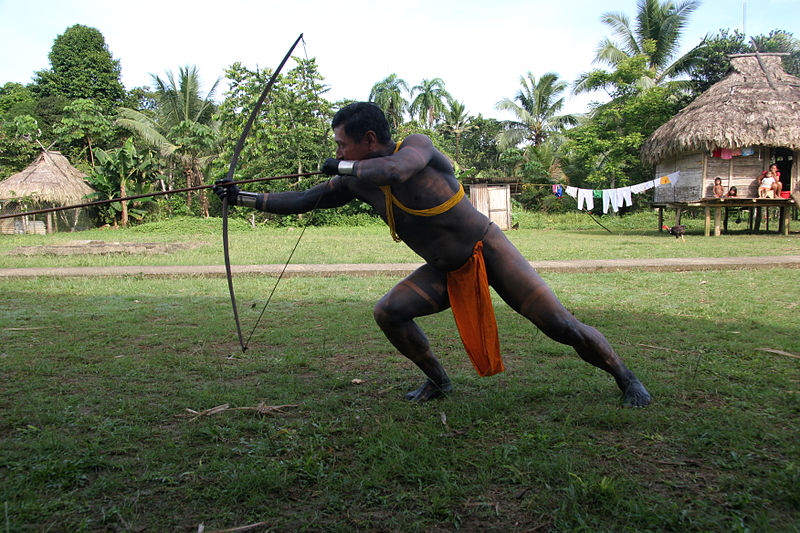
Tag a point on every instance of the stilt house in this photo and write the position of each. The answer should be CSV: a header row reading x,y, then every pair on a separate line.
x,y
733,131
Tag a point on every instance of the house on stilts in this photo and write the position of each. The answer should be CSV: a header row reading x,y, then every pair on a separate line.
x,y
734,131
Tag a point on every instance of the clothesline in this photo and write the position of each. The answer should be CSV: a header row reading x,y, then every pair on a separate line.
x,y
612,198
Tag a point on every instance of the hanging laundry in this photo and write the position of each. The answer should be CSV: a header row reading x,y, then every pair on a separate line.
x,y
610,200
624,197
572,191
716,153
746,152
597,194
726,153
558,190
585,196
736,152
672,178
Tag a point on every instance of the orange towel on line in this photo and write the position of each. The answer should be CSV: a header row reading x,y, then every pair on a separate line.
x,y
468,288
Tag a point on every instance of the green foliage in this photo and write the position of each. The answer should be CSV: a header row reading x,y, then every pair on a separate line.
x,y
656,34
179,100
604,151
782,41
388,95
141,99
429,100
85,125
456,123
292,130
536,106
181,128
711,61
82,67
479,149
193,139
122,172
17,144
15,99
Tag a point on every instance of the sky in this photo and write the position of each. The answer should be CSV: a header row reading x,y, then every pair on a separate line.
x,y
480,48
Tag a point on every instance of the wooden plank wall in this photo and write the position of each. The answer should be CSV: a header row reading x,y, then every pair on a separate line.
x,y
689,185
494,201
696,182
741,172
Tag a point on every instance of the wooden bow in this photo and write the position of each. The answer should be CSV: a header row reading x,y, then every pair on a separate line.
x,y
231,169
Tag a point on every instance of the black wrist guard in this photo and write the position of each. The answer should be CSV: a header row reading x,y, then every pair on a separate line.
x,y
252,200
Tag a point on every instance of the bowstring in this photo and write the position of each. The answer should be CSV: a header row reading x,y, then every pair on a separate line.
x,y
294,248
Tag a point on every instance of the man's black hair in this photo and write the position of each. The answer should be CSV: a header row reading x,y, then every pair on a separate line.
x,y
360,117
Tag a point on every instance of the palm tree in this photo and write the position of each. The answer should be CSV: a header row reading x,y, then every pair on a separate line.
x,y
457,121
536,106
182,130
388,95
656,35
430,100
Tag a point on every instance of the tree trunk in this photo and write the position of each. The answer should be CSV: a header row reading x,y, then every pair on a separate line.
x,y
189,193
123,193
91,153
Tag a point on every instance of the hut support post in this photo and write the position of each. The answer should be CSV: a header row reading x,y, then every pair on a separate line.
x,y
660,219
49,223
717,216
784,225
707,230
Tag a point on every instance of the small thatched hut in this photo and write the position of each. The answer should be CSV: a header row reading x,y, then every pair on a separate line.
x,y
733,131
49,181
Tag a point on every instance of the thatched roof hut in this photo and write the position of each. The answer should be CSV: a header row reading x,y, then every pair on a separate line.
x,y
49,180
733,131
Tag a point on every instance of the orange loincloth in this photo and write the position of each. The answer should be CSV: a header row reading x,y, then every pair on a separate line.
x,y
468,288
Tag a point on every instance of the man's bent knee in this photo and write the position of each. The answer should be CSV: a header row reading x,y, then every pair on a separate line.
x,y
564,328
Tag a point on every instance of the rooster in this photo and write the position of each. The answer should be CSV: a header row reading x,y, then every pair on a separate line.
x,y
677,230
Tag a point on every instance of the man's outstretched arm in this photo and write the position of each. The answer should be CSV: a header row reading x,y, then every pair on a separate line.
x,y
325,195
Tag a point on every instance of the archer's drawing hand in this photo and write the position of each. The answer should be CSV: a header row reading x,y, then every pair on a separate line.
x,y
330,166
225,187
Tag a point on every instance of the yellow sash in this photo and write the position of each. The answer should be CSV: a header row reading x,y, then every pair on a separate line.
x,y
430,212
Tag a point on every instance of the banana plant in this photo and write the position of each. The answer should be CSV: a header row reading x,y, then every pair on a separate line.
x,y
122,170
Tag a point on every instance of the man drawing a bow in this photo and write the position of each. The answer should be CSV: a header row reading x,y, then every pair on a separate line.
x,y
413,188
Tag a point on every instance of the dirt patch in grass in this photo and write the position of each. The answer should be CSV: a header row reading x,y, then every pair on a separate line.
x,y
105,248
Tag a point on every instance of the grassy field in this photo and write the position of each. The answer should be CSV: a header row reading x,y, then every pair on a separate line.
x,y
540,237
107,386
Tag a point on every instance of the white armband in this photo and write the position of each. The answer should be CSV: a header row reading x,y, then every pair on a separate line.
x,y
347,168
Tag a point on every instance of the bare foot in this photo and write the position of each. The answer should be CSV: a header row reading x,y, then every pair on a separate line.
x,y
635,395
429,391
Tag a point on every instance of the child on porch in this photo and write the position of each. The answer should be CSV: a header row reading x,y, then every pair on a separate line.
x,y
765,187
718,190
